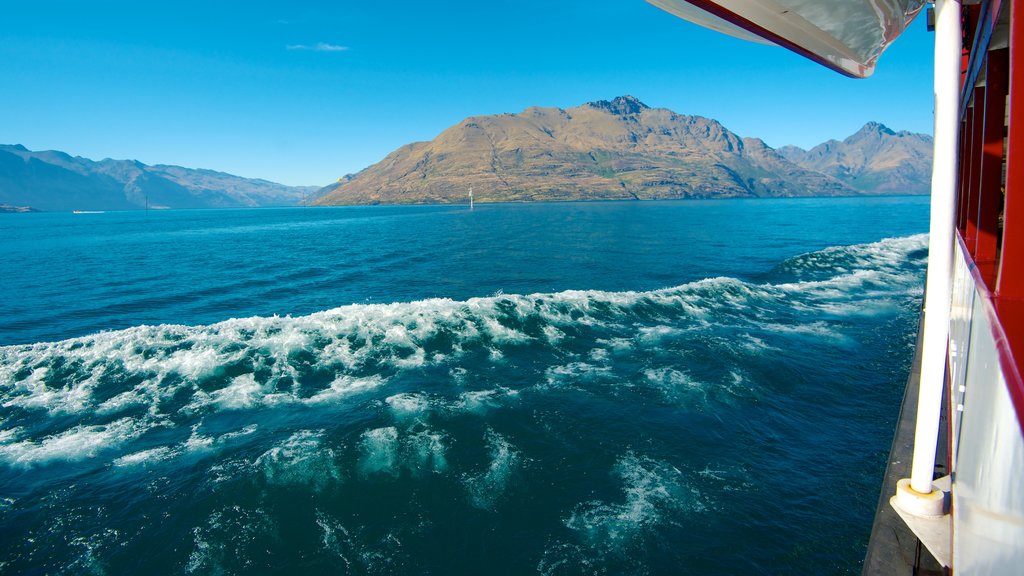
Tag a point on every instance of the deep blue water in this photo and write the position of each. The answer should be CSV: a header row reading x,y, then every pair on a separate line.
x,y
703,387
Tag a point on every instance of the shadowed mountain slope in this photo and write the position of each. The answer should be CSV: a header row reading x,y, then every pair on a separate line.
x,y
875,160
52,180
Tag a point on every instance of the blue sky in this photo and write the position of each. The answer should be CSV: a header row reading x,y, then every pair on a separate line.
x,y
304,92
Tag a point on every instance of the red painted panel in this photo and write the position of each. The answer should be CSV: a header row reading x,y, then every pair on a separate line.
x,y
1010,284
991,200
1008,304
963,174
965,66
974,170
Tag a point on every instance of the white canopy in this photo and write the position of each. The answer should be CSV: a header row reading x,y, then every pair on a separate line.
x,y
845,35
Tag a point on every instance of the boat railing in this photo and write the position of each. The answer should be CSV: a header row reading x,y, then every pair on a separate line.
x,y
986,444
990,191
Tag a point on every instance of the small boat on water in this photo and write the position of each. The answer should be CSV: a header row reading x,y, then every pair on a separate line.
x,y
957,504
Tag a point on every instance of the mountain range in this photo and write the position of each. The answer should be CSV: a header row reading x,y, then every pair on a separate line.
x,y
620,149
52,180
624,149
875,160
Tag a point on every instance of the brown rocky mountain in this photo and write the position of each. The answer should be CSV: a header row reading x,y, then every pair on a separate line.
x,y
875,160
620,149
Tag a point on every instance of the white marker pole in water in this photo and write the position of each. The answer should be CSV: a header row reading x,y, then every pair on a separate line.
x,y
916,495
470,197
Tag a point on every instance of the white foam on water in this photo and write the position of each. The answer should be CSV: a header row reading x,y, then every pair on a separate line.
x,y
727,478
655,494
75,444
707,472
574,373
857,288
205,557
617,345
224,539
230,470
191,364
880,305
150,456
488,487
672,377
567,558
336,538
88,551
818,330
426,452
182,368
244,431
410,405
753,345
301,460
676,384
345,386
655,335
553,335
243,392
379,451
138,396
419,450
889,253
479,402
35,393
198,443
502,334
9,434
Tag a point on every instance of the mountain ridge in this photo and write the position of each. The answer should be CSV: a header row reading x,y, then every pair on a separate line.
x,y
875,158
52,180
619,149
602,150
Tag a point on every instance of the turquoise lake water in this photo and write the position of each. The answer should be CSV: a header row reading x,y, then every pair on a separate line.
x,y
693,387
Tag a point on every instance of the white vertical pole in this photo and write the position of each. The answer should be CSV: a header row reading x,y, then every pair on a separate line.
x,y
940,243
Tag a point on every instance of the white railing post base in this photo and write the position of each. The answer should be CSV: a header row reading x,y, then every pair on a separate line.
x,y
927,516
931,505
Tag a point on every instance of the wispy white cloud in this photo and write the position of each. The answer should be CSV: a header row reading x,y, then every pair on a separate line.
x,y
318,47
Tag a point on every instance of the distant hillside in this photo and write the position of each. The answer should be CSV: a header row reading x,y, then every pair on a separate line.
x,y
53,180
875,160
619,149
8,209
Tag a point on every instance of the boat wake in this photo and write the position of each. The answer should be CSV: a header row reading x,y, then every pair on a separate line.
x,y
430,410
